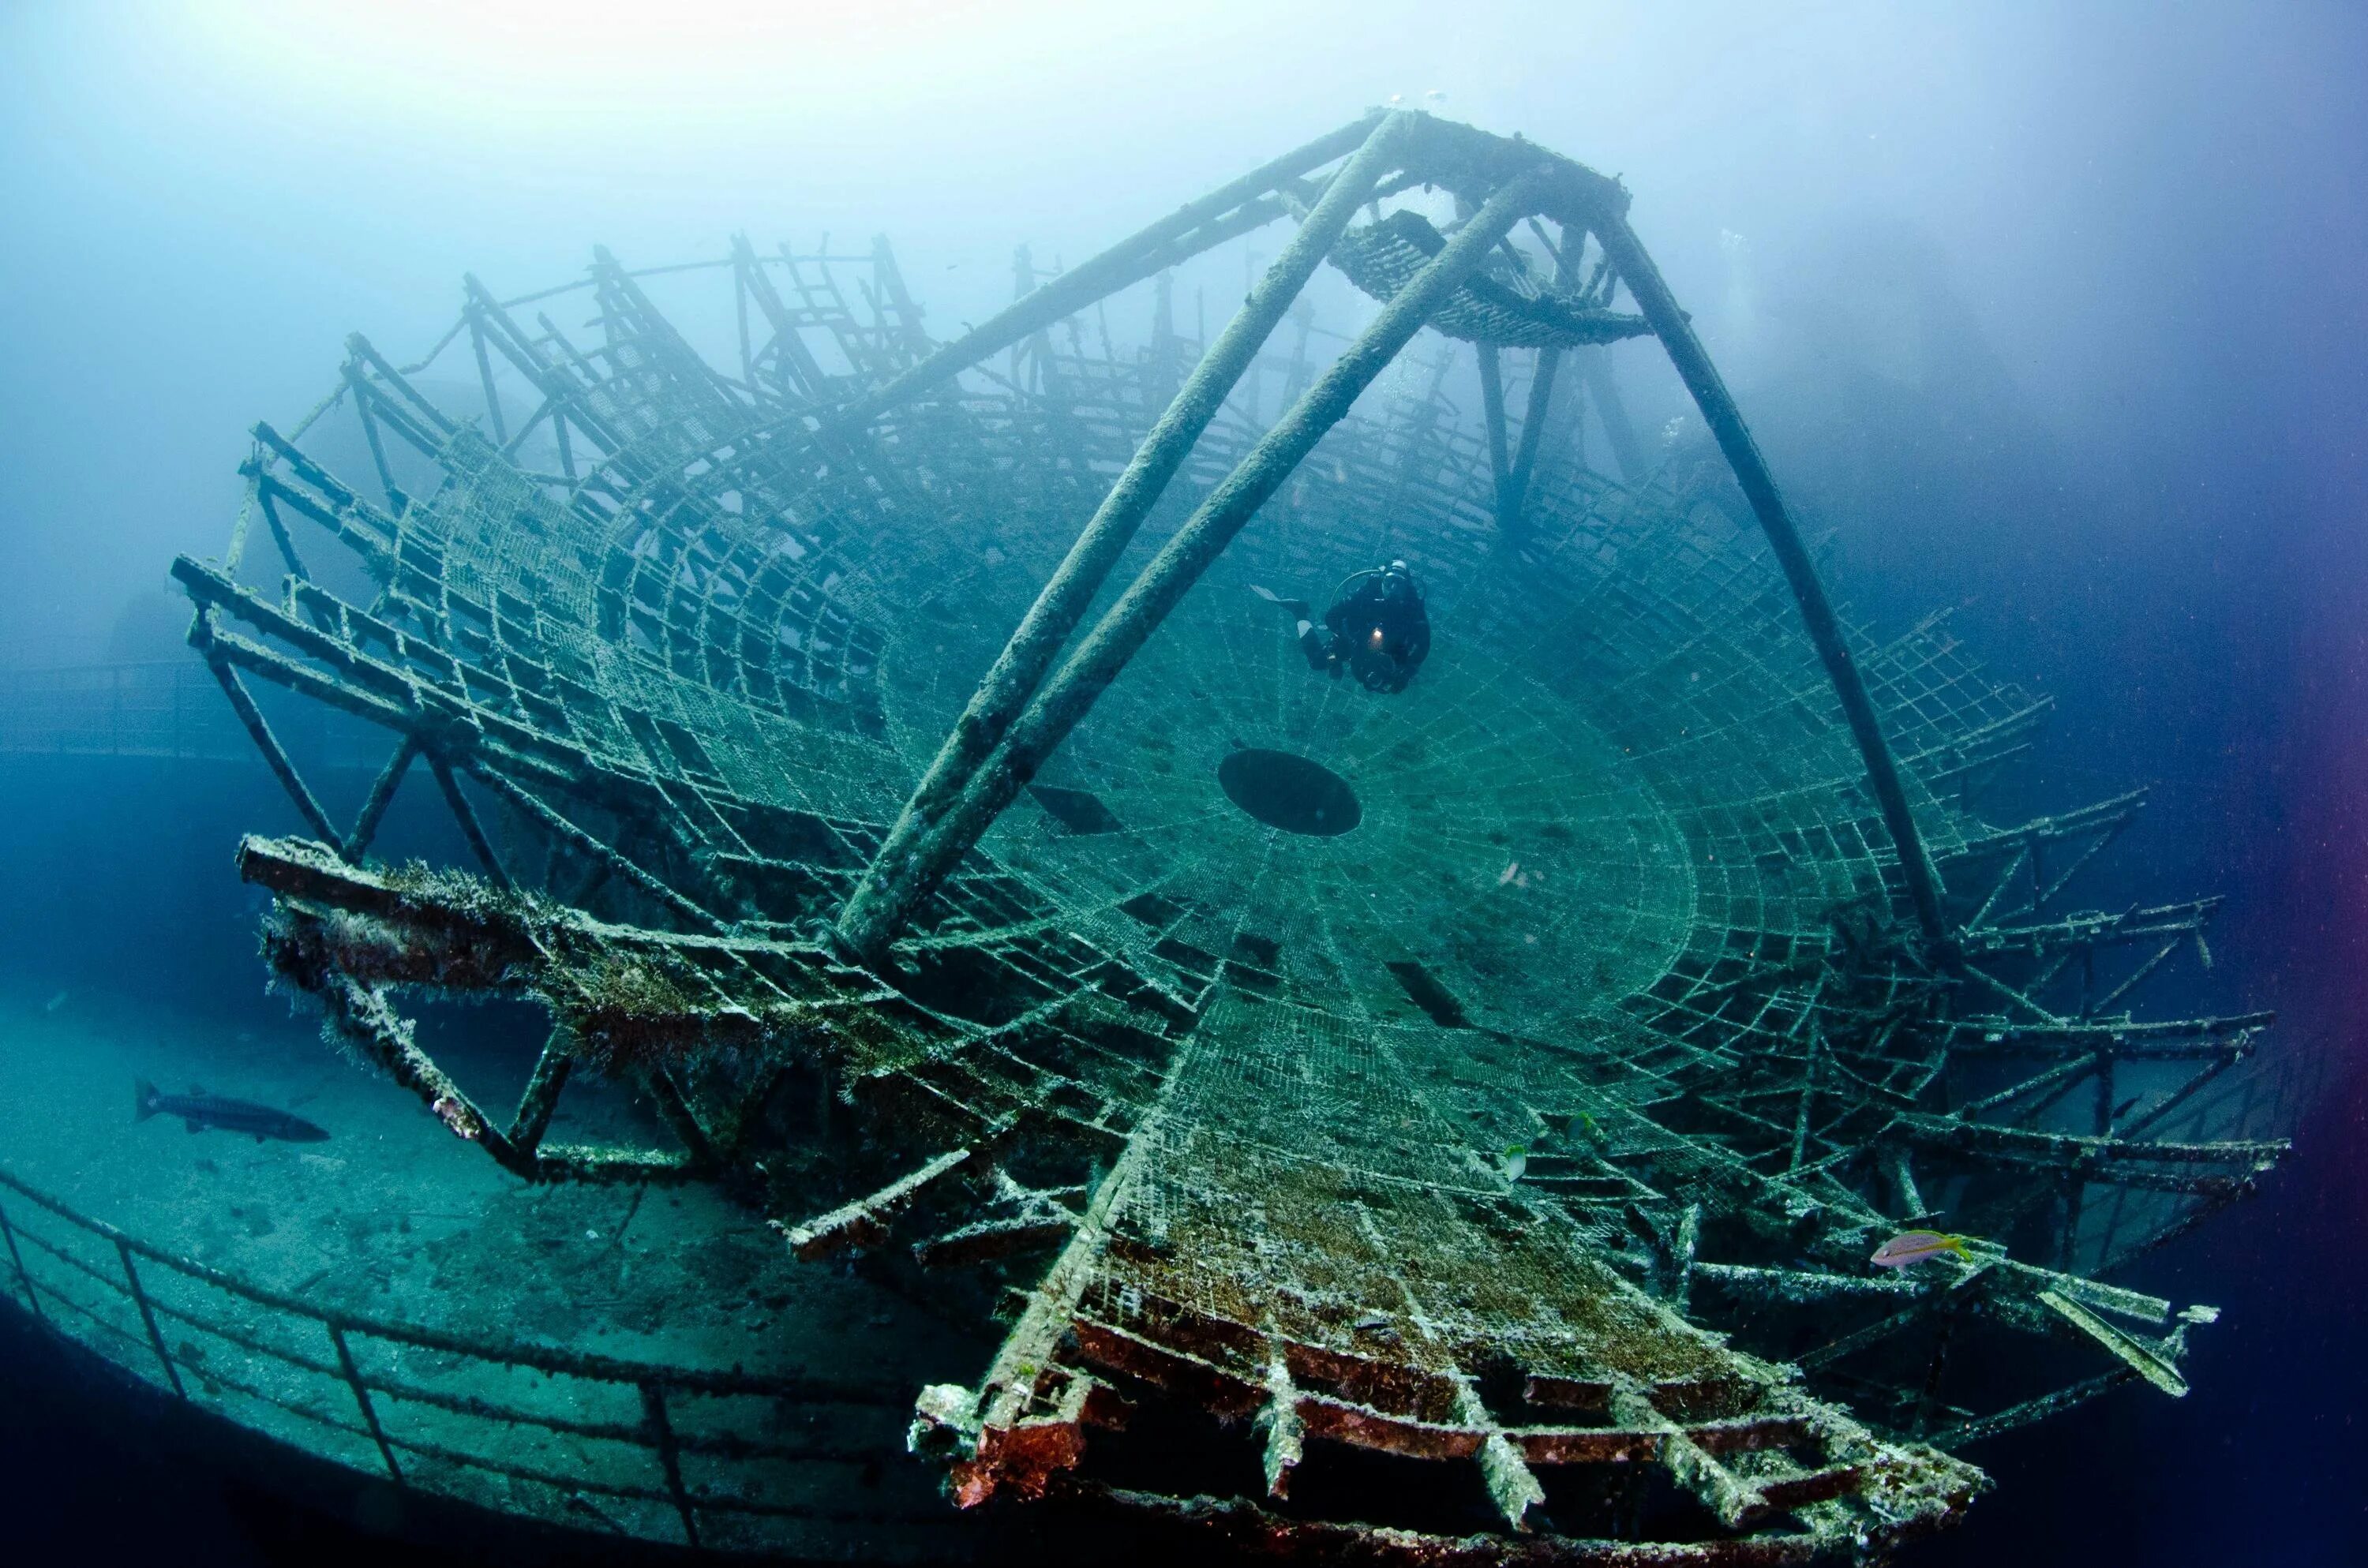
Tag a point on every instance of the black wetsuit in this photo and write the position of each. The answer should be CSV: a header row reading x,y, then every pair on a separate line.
x,y
1377,629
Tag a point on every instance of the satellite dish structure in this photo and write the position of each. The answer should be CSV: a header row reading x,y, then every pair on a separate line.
x,y
1362,1122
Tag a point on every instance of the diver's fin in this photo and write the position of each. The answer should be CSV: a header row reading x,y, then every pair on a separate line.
x,y
143,1099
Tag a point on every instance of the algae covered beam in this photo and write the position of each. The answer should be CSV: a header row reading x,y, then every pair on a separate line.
x,y
1129,261
896,887
887,894
864,1222
1676,331
917,859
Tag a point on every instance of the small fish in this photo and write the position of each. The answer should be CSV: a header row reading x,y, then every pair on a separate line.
x,y
56,1002
200,1110
1914,1246
1517,1161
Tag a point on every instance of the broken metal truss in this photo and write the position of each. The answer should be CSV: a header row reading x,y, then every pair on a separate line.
x,y
1529,1139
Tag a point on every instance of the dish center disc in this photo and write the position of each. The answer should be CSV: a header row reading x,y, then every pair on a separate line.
x,y
1289,793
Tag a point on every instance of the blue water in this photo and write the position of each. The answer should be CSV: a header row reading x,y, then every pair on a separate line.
x,y
2135,243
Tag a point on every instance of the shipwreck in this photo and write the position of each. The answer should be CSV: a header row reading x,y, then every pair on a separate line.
x,y
869,750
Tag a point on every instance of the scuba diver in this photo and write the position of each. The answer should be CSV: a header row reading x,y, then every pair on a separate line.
x,y
1375,628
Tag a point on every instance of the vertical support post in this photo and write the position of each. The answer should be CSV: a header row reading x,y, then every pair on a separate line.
x,y
907,871
1492,409
1669,324
740,263
1807,1104
362,1398
1533,429
662,1437
148,1317
486,378
32,1297
567,450
1020,668
1023,283
1683,1245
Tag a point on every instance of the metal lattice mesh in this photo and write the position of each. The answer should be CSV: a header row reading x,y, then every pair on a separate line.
x,y
1592,1044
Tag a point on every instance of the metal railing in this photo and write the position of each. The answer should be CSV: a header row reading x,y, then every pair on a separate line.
x,y
166,709
169,708
718,1457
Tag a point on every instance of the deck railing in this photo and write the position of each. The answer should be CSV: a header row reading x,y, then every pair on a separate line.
x,y
805,1464
167,708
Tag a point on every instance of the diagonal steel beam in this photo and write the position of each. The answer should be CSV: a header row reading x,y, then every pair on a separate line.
x,y
1129,261
1670,324
1069,592
923,851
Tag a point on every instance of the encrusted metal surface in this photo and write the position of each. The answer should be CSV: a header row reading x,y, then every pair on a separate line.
x,y
1534,1132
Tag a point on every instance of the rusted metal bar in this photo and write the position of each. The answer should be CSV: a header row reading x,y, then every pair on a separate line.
x,y
892,889
1942,1132
662,1438
148,1317
363,1017
1129,261
32,1297
1676,331
871,917
2042,1408
361,1398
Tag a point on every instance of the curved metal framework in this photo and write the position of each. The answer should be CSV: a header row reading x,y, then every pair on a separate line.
x,y
1535,1131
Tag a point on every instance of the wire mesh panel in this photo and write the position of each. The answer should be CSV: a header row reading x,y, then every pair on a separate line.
x,y
1510,1074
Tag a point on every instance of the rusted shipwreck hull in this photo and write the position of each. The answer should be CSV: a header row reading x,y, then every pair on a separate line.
x,y
1492,1182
